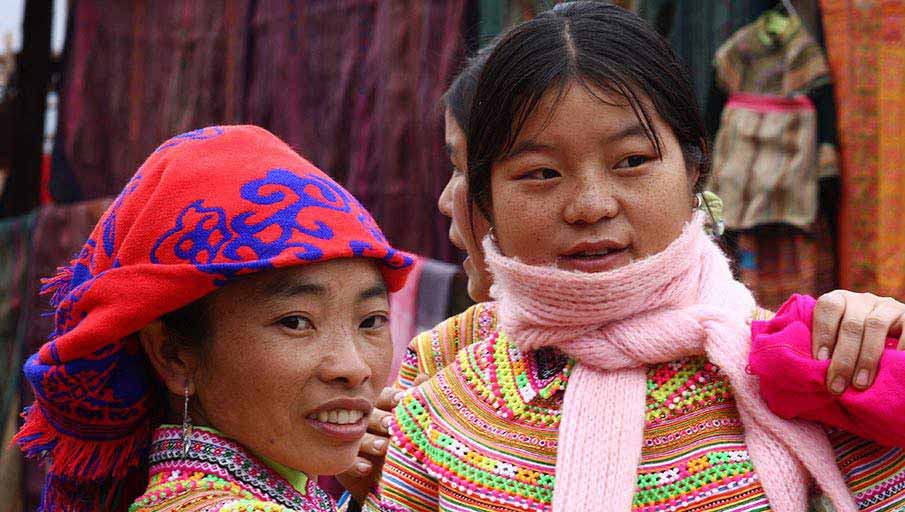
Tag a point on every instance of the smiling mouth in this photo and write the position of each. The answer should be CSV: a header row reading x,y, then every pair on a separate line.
x,y
338,416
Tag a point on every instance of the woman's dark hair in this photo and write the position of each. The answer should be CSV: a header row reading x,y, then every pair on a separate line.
x,y
597,45
459,96
188,326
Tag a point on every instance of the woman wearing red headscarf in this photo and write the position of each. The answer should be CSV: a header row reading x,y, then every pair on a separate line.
x,y
221,336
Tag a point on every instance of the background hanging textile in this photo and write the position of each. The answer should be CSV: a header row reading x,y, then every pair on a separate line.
x,y
354,85
865,42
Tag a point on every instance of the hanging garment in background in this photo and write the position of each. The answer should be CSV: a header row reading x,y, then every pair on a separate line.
x,y
136,73
696,29
773,152
765,156
778,260
398,164
866,46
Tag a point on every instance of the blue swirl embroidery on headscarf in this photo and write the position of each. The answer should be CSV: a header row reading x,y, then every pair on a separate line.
x,y
285,219
109,237
200,134
215,235
361,249
206,237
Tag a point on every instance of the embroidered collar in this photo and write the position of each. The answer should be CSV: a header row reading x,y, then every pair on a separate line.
x,y
213,454
524,386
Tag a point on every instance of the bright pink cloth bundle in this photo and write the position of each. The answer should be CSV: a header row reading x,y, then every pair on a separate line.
x,y
793,383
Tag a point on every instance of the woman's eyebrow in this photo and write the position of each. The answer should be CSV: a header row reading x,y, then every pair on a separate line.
x,y
378,290
528,146
291,288
632,130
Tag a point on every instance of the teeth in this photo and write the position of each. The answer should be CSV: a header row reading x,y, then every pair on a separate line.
x,y
339,416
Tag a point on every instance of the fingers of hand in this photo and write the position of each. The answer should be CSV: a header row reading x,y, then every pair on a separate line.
x,y
379,422
848,344
876,329
361,468
374,445
388,399
827,317
421,379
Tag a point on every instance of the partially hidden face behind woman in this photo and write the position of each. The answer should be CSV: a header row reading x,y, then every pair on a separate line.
x,y
467,228
583,187
291,363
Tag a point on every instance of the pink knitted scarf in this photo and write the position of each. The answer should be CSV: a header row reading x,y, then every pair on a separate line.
x,y
680,302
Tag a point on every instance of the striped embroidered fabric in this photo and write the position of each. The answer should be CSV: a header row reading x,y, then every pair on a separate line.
x,y
875,474
432,350
218,475
482,435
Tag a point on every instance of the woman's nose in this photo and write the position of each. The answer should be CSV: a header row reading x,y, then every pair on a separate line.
x,y
345,364
445,202
591,202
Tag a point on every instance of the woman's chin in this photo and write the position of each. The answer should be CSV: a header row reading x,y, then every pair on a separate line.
x,y
324,460
336,465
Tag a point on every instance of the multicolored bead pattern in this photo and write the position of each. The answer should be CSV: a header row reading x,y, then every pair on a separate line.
x,y
218,475
482,435
694,455
433,350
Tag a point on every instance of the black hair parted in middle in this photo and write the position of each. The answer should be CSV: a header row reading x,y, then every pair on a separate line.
x,y
602,47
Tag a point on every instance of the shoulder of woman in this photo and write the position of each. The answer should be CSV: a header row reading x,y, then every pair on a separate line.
x,y
437,348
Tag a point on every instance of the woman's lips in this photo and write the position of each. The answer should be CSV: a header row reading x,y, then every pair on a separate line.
x,y
344,419
348,432
598,261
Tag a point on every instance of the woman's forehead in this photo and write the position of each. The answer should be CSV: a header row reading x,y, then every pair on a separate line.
x,y
329,278
585,109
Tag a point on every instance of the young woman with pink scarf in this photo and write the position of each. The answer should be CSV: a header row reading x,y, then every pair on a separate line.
x,y
611,374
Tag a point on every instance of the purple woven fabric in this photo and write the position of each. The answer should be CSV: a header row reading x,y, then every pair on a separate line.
x,y
353,85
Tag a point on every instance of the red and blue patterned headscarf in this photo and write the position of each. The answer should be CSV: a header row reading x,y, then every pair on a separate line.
x,y
205,207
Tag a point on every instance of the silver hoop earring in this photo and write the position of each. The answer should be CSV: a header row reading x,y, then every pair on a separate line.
x,y
186,424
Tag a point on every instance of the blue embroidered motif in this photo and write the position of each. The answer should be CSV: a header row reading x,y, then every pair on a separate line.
x,y
200,134
201,234
110,221
201,242
286,219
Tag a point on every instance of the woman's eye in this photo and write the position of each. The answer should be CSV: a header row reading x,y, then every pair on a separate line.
x,y
632,161
540,174
374,322
296,322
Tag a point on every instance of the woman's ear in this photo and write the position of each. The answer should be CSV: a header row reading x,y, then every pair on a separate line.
x,y
175,365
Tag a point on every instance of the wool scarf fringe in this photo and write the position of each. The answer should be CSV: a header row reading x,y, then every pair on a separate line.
x,y
71,458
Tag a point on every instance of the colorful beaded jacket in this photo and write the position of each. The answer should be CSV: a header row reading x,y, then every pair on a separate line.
x,y
482,435
219,475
